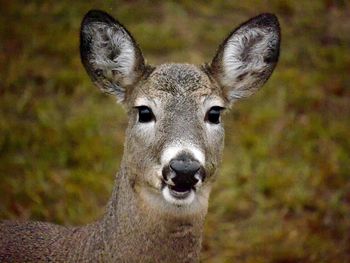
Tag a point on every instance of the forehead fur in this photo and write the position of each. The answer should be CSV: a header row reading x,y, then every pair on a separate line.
x,y
178,79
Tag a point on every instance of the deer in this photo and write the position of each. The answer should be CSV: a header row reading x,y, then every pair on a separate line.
x,y
172,152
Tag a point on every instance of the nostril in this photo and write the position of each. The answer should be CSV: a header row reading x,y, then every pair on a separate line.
x,y
165,172
168,174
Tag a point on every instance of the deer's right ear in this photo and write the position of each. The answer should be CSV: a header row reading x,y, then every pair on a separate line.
x,y
109,54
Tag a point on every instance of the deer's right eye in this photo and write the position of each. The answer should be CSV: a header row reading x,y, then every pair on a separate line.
x,y
145,114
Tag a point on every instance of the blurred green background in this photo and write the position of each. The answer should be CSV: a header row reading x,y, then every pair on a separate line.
x,y
284,190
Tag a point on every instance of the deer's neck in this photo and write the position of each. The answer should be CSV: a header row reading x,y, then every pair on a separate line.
x,y
134,232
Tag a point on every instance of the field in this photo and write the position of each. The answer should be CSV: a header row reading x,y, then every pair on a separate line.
x,y
283,194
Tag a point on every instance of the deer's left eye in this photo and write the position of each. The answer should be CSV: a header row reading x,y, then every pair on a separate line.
x,y
213,115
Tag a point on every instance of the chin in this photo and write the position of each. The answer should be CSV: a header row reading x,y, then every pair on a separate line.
x,y
178,198
167,201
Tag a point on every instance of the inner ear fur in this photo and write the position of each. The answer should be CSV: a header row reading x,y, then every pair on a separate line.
x,y
247,57
110,54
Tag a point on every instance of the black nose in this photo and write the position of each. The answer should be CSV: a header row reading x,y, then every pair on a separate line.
x,y
184,170
185,167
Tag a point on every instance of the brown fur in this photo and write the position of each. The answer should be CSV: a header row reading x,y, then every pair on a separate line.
x,y
140,224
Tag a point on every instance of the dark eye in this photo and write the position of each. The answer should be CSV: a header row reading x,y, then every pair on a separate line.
x,y
145,114
213,115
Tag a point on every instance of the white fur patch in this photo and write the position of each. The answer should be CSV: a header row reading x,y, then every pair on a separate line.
x,y
160,203
176,201
212,101
141,101
146,130
173,150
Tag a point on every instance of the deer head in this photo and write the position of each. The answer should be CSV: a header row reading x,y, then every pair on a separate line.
x,y
175,133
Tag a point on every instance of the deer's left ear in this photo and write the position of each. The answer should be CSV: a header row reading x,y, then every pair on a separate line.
x,y
247,57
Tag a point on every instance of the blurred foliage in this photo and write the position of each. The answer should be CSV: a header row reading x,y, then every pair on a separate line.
x,y
284,190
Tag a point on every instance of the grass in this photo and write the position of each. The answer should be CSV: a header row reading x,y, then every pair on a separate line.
x,y
284,190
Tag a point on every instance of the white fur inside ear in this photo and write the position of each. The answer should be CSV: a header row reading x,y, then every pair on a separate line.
x,y
243,57
113,52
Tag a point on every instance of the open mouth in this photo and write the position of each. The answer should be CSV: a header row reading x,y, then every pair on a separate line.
x,y
180,192
181,179
178,195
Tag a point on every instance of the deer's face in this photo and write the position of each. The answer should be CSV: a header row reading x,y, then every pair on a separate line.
x,y
175,133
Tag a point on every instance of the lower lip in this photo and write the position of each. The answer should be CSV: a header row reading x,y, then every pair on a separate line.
x,y
180,195
178,198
